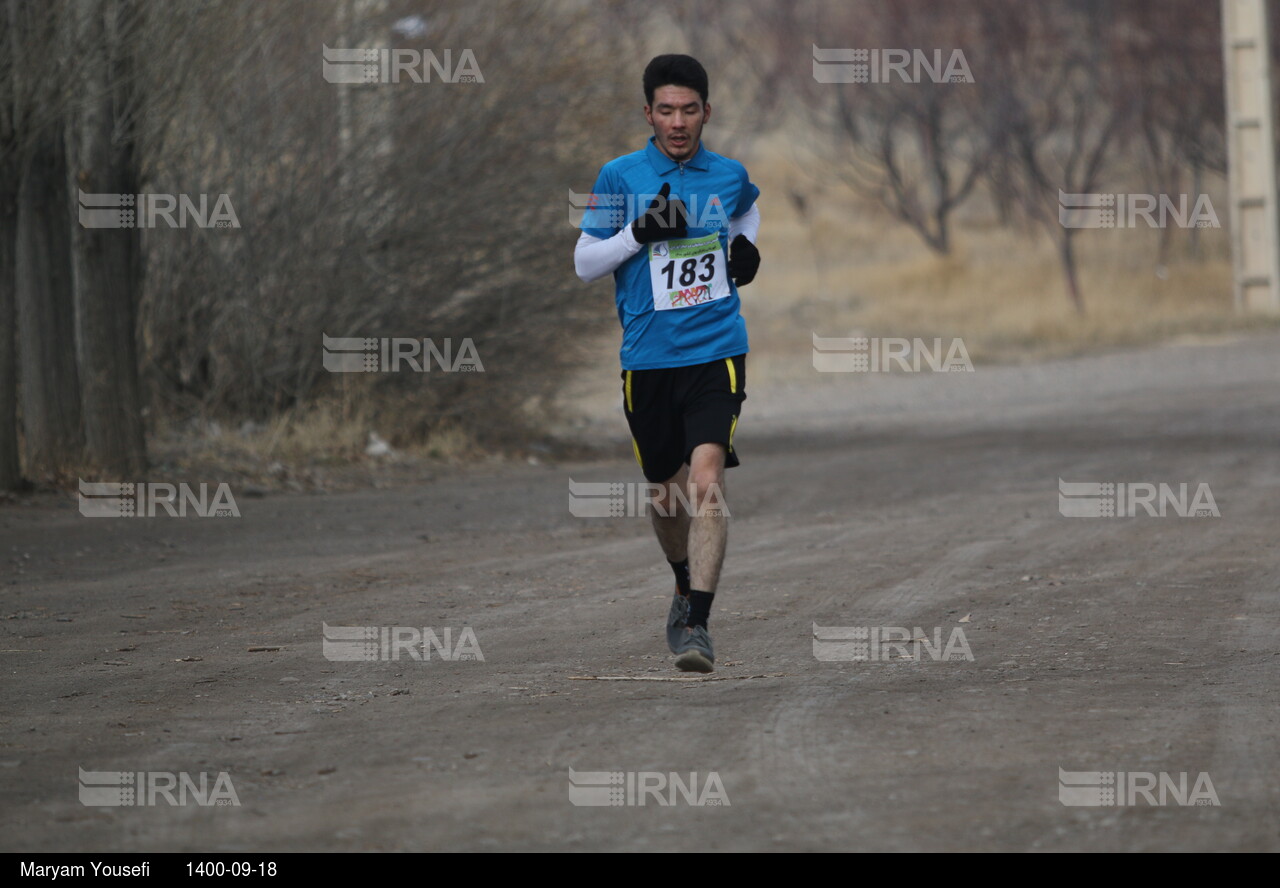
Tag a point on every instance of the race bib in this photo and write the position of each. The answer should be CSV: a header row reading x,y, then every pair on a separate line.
x,y
687,272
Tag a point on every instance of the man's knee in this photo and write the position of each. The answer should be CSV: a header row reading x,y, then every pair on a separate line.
x,y
666,498
706,480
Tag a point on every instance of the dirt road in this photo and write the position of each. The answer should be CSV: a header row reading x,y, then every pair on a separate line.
x,y
924,501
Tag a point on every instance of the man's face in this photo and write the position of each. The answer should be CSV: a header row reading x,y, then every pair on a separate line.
x,y
677,115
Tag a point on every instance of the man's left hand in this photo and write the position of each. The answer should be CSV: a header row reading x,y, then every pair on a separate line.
x,y
744,260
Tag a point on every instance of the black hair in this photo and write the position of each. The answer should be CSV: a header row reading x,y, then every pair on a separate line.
x,y
674,70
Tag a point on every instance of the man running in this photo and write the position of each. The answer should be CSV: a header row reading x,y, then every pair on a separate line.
x,y
678,252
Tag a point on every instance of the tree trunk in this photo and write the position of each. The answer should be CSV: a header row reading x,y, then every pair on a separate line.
x,y
1067,253
1197,186
46,317
10,470
106,261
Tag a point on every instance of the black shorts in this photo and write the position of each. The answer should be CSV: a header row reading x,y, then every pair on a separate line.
x,y
673,410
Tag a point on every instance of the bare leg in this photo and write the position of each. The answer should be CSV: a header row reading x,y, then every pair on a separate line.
x,y
709,526
670,520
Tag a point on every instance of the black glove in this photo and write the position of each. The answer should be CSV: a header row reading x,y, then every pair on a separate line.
x,y
744,260
664,220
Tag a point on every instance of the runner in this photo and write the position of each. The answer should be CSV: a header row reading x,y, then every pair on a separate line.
x,y
687,244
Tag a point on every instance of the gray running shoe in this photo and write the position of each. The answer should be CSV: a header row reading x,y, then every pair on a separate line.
x,y
695,654
676,619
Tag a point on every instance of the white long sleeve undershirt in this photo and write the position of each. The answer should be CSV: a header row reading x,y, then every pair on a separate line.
x,y
594,257
748,223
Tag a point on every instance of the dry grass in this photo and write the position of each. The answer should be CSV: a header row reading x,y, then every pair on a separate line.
x,y
319,448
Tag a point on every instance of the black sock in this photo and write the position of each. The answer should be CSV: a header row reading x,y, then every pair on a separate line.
x,y
681,570
699,608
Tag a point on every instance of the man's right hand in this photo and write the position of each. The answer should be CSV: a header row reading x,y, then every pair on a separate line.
x,y
664,220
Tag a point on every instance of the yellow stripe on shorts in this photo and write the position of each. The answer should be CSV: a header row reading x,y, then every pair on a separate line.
x,y
732,429
636,448
629,408
733,376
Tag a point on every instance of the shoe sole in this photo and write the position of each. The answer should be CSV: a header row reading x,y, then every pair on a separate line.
x,y
694,661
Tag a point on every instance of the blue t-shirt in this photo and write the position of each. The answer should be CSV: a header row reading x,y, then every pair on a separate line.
x,y
714,189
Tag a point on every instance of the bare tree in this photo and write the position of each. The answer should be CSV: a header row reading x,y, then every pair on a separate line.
x,y
50,395
915,144
1058,109
106,262
1173,70
46,313
10,468
438,218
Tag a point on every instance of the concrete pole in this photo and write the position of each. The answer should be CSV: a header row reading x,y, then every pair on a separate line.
x,y
1251,156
